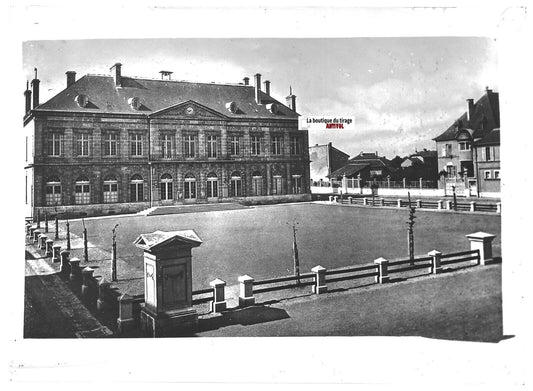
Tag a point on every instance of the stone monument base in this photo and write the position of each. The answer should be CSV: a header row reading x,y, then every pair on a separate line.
x,y
174,323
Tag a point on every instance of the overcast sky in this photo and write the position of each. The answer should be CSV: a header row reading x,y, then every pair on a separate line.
x,y
402,91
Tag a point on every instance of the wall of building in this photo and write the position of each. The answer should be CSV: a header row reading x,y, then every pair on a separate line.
x,y
319,166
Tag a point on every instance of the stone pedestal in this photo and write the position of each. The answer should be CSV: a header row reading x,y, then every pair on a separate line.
x,y
65,262
75,271
168,310
219,298
436,266
399,203
383,270
320,280
56,253
246,291
125,320
48,247
482,241
439,204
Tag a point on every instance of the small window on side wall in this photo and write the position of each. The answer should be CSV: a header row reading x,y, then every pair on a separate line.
x,y
487,174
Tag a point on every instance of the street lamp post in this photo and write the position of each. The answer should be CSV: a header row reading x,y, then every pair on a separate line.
x,y
114,255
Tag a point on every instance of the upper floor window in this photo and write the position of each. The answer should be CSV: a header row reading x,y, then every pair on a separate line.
x,y
54,144
110,144
211,146
82,144
256,145
446,150
190,145
166,146
136,144
235,145
490,153
296,146
464,146
276,145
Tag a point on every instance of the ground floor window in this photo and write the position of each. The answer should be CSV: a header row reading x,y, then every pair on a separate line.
x,y
257,184
452,171
53,191
110,190
166,187
190,187
296,184
212,185
236,185
136,188
82,191
277,187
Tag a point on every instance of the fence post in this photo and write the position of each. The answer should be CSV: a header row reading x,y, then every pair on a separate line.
x,y
75,272
498,207
36,234
365,201
420,182
42,241
65,265
482,241
56,227
320,280
448,205
350,199
246,291
336,199
388,181
436,267
383,270
404,185
88,285
56,253
472,206
382,201
101,303
399,203
418,203
48,247
28,225
439,204
125,313
219,299
330,198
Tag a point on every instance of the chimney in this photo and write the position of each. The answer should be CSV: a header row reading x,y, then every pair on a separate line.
x,y
117,74
35,87
257,88
27,95
470,109
291,100
71,78
246,81
267,87
487,89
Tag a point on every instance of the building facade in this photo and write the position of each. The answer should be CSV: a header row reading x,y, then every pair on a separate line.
x,y
487,152
457,157
117,144
325,159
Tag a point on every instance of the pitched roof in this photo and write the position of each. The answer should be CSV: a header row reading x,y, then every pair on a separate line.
x,y
157,95
349,169
373,159
486,110
493,138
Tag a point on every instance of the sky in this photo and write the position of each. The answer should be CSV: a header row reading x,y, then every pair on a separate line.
x,y
402,91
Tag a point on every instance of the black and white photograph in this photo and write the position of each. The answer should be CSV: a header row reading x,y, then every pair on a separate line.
x,y
284,196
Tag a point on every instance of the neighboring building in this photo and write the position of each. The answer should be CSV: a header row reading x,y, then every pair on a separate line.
x,y
421,164
455,145
367,166
114,144
487,151
324,160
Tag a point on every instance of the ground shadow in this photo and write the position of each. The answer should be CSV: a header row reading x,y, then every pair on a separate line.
x,y
243,316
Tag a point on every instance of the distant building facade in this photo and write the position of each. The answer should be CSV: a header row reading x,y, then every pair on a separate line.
x,y
367,166
325,159
116,144
421,164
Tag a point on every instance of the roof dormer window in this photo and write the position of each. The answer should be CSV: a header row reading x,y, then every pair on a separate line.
x,y
82,100
135,103
273,108
232,107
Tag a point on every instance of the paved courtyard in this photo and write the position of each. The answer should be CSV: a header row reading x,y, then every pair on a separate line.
x,y
258,240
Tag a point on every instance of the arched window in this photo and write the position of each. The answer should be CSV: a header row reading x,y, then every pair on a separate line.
x,y
82,191
212,185
136,188
190,187
53,191
166,187
110,189
235,184
257,183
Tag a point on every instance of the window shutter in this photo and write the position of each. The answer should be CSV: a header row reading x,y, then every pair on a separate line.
x,y
496,153
483,154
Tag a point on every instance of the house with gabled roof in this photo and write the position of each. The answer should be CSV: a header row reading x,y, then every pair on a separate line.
x,y
113,144
457,158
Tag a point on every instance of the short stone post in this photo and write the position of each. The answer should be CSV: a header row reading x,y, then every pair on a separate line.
x,y
418,203
448,205
219,300
36,234
28,226
365,201
102,302
65,263
420,182
439,204
350,199
45,222
383,270
42,241
399,203
125,319
388,181
482,241
246,291
336,199
382,201
404,184
56,253
75,271
320,280
32,230
436,267
472,206
48,247
330,198
498,207
88,285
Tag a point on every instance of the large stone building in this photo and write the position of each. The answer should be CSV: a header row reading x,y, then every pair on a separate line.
x,y
117,144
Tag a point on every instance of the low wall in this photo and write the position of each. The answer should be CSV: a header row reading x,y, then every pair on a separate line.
x,y
383,191
76,211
